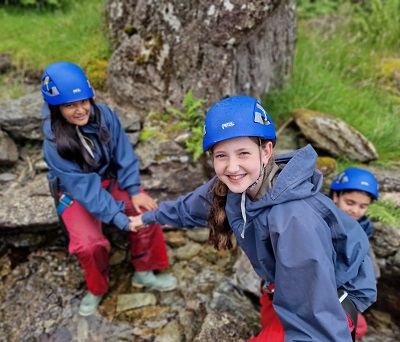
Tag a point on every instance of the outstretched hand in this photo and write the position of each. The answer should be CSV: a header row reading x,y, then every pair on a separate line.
x,y
141,201
136,223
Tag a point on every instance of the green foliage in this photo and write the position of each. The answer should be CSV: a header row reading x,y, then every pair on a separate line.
x,y
378,22
192,118
385,211
146,134
35,4
12,87
337,74
73,32
307,9
96,71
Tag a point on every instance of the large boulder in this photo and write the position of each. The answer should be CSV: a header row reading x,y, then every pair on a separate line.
x,y
334,136
216,48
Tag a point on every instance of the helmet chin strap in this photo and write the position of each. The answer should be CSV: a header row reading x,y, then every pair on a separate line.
x,y
252,186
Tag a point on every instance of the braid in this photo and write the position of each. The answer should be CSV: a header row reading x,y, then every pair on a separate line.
x,y
220,231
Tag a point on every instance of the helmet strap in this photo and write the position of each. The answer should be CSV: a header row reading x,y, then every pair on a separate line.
x,y
262,168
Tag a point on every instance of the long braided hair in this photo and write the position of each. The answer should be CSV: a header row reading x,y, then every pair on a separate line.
x,y
67,140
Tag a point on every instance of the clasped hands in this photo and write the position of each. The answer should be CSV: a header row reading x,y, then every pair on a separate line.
x,y
136,223
139,202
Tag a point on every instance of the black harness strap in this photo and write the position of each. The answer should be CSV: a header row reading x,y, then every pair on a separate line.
x,y
351,311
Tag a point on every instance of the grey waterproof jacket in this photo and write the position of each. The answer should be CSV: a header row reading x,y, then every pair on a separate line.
x,y
296,238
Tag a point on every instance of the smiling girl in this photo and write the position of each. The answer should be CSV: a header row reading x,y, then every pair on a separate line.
x,y
302,246
94,179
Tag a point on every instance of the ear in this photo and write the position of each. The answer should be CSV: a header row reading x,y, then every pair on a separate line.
x,y
335,197
267,152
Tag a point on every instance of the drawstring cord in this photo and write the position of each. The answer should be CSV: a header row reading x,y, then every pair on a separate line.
x,y
83,141
243,209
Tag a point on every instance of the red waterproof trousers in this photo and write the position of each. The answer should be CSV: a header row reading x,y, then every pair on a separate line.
x,y
148,251
362,326
272,329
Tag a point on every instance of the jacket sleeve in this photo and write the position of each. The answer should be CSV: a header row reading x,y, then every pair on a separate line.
x,y
122,153
85,188
366,224
188,211
305,297
354,269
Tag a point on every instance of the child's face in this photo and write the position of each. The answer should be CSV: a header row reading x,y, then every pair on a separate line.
x,y
237,163
77,112
354,203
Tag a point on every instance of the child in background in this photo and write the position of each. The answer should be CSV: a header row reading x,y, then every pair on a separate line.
x,y
304,248
353,190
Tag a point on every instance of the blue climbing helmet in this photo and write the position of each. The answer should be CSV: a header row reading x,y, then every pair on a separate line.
x,y
65,82
354,178
234,117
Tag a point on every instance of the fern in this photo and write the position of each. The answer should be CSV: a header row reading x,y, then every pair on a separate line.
x,y
385,211
192,118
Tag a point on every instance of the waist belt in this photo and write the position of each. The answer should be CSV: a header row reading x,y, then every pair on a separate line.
x,y
350,309
63,203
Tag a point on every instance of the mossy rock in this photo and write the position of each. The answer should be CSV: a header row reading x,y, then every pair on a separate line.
x,y
326,165
96,71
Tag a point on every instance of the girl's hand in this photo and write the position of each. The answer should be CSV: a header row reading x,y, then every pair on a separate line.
x,y
143,201
136,223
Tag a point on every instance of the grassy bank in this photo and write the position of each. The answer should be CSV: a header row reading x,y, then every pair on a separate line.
x,y
36,38
339,66
343,71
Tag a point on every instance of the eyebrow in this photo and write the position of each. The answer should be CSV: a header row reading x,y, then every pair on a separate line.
x,y
237,150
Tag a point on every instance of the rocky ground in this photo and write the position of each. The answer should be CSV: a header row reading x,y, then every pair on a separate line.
x,y
41,288
40,292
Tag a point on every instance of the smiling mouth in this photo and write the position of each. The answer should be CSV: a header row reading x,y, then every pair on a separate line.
x,y
237,177
80,117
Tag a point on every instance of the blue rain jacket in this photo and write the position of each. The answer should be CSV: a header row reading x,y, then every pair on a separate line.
x,y
116,157
297,238
366,224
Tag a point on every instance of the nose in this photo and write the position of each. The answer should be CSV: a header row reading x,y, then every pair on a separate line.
x,y
80,108
233,166
354,211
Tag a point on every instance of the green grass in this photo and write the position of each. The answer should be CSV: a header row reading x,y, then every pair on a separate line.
x,y
338,75
36,38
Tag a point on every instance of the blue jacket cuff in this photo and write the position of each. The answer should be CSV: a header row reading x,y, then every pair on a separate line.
x,y
121,221
133,190
149,217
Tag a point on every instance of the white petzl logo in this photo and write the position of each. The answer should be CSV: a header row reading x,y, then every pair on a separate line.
x,y
77,90
227,124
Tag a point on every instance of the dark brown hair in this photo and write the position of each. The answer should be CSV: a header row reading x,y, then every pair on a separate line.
x,y
67,140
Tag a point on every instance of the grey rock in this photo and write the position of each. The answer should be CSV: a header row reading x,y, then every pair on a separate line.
x,y
8,149
21,117
334,136
165,48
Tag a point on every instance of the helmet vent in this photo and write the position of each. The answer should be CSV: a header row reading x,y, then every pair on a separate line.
x,y
53,90
261,116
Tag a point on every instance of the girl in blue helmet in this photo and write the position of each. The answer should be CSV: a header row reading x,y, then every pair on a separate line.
x,y
353,190
94,178
302,246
